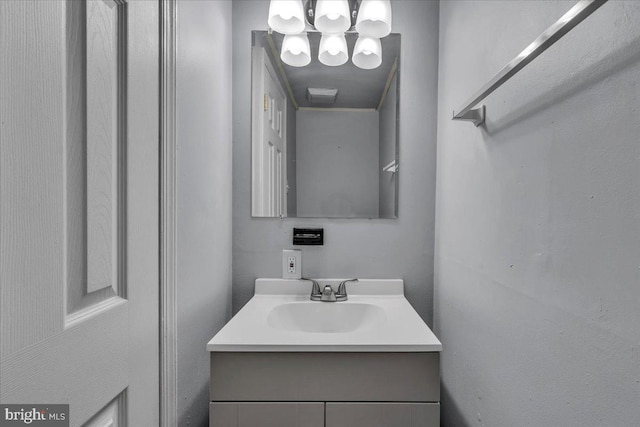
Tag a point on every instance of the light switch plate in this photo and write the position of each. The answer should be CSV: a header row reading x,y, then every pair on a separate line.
x,y
291,264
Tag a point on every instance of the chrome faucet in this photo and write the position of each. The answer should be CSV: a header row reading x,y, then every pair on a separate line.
x,y
327,294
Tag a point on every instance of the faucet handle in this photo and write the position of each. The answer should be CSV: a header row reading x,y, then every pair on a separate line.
x,y
316,294
341,295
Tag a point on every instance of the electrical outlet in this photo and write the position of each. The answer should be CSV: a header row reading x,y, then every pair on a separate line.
x,y
291,264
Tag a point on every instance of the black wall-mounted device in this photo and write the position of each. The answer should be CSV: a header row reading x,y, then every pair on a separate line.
x,y
308,236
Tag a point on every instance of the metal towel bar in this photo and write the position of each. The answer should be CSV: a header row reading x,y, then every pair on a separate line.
x,y
562,26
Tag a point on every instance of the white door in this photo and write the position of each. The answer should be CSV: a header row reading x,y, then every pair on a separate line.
x,y
79,208
269,151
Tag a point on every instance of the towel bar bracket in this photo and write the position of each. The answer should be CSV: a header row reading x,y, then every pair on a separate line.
x,y
476,115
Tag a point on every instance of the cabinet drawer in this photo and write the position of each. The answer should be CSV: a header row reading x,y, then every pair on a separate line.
x,y
322,377
266,414
382,414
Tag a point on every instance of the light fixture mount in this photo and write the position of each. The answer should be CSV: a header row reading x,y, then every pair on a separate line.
x,y
310,15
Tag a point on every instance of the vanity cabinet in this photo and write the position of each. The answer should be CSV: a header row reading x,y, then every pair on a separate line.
x,y
333,389
266,414
356,414
374,362
323,414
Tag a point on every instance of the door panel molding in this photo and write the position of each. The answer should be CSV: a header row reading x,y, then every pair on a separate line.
x,y
104,29
79,316
114,414
95,155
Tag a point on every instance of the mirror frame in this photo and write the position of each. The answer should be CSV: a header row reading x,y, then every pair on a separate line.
x,y
256,124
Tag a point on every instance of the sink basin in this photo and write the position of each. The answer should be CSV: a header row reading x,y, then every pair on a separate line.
x,y
329,317
281,318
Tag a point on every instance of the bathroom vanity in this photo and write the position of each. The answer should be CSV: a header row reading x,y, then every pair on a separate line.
x,y
284,360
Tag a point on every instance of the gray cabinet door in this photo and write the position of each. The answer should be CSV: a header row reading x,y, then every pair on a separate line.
x,y
382,414
266,414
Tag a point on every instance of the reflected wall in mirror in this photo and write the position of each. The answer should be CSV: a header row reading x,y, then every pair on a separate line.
x,y
324,139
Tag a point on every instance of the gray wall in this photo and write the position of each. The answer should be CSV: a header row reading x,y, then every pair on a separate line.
x,y
354,247
337,163
204,194
388,141
538,219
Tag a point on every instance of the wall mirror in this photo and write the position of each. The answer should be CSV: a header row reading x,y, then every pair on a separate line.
x,y
324,138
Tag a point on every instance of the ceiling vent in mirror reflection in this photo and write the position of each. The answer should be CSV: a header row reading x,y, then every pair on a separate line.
x,y
316,95
370,19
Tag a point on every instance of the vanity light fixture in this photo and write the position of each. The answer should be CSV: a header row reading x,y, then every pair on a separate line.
x,y
374,18
367,53
332,16
370,18
295,50
286,16
333,49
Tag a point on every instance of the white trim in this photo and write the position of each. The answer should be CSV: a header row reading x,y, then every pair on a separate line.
x,y
168,201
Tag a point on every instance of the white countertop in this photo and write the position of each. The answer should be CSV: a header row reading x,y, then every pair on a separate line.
x,y
400,329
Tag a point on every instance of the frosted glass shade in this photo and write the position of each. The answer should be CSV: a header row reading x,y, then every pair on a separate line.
x,y
332,16
295,50
367,54
333,49
286,16
374,18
